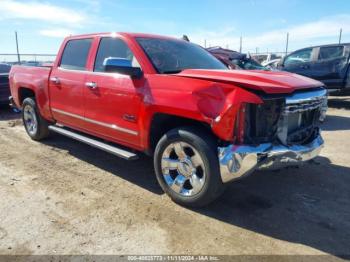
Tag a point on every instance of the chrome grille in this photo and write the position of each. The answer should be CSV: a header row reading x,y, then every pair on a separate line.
x,y
305,106
301,102
300,116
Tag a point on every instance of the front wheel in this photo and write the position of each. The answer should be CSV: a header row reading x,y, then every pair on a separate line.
x,y
187,167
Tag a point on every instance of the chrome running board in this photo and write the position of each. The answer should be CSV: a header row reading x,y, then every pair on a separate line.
x,y
95,143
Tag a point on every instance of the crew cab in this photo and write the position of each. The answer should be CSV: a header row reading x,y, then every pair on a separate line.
x,y
204,125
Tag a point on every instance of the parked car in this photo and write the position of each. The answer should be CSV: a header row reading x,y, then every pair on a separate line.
x,y
235,60
270,57
272,64
204,125
326,63
4,83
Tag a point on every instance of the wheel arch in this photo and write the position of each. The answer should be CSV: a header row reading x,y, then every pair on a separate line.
x,y
41,98
161,123
25,92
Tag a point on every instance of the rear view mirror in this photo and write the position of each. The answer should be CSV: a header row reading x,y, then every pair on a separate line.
x,y
121,66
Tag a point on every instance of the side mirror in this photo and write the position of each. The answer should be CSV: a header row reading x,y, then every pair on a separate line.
x,y
121,66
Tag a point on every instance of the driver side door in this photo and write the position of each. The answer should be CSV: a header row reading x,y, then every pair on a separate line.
x,y
112,101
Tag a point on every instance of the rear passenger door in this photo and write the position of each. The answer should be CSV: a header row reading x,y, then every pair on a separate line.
x,y
331,65
67,81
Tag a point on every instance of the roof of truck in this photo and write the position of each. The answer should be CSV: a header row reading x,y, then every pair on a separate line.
x,y
127,34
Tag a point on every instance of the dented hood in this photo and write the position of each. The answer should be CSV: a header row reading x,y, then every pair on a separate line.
x,y
271,82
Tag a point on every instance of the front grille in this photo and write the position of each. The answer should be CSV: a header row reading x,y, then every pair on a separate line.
x,y
262,121
299,120
288,120
301,126
304,105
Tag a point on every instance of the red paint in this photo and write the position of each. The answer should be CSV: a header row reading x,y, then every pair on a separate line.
x,y
212,97
271,82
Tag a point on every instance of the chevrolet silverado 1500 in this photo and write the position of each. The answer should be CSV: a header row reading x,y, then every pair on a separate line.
x,y
205,125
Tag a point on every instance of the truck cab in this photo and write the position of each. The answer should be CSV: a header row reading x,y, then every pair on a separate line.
x,y
328,64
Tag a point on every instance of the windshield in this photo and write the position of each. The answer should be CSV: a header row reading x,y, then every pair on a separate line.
x,y
248,64
172,56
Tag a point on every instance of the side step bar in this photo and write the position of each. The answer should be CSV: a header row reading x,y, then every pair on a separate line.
x,y
94,143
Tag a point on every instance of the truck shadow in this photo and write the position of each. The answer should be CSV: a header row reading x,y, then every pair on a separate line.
x,y
334,123
339,102
139,172
307,205
6,113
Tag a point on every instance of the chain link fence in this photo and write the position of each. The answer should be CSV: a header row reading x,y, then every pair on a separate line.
x,y
26,58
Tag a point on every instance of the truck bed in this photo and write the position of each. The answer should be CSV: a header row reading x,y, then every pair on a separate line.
x,y
35,79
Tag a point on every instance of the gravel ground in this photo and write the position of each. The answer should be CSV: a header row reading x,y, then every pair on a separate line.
x,y
64,197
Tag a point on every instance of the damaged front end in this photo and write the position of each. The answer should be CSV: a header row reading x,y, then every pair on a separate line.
x,y
282,131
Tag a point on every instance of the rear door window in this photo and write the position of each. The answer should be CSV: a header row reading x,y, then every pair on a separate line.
x,y
330,52
75,54
301,56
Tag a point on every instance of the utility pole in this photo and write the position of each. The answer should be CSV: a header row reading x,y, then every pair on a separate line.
x,y
340,33
240,44
18,57
205,43
287,42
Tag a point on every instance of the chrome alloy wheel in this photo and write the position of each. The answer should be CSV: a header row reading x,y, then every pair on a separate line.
x,y
183,169
30,119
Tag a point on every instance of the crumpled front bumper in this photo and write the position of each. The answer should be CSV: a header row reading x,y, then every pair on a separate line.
x,y
240,160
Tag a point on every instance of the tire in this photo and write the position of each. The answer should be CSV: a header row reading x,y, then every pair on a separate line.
x,y
36,126
194,184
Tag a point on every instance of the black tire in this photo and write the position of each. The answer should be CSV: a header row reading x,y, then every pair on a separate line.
x,y
205,145
41,131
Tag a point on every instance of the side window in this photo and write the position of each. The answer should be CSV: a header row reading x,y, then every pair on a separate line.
x,y
75,54
113,47
329,52
301,56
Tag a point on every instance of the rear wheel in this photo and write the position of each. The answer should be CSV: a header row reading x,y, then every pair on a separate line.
x,y
187,167
35,125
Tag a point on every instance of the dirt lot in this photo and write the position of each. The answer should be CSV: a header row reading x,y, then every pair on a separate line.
x,y
64,197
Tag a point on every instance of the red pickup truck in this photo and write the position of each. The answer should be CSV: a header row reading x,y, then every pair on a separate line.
x,y
205,125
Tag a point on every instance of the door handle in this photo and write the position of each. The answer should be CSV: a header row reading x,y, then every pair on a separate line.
x,y
91,85
55,80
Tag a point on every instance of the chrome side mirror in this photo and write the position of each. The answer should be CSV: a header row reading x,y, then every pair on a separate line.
x,y
121,66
